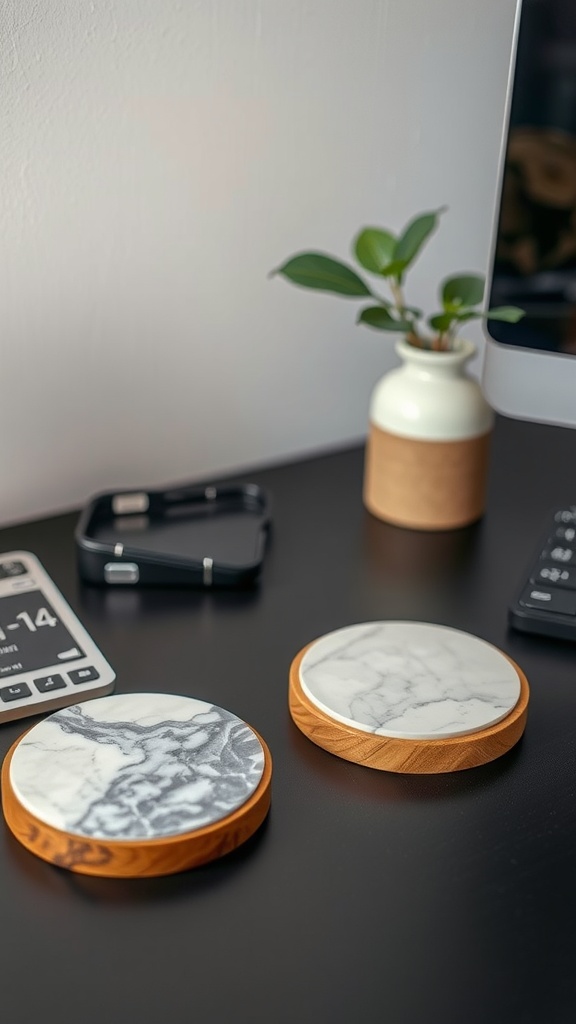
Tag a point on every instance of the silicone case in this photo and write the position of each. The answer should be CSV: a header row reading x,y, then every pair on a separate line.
x,y
203,536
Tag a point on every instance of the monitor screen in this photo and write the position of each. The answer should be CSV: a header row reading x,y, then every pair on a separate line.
x,y
533,261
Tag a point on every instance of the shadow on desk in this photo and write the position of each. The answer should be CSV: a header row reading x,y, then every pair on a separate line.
x,y
357,782
394,553
135,604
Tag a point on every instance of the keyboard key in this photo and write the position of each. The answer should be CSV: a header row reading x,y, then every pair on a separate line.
x,y
566,515
83,675
47,683
554,575
559,602
565,533
8,693
561,554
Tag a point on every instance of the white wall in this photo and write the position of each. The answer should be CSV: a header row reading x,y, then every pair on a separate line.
x,y
158,159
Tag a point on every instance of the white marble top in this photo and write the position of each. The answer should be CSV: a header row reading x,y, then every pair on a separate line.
x,y
136,766
409,680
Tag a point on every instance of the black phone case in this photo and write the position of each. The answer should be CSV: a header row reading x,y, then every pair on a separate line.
x,y
202,536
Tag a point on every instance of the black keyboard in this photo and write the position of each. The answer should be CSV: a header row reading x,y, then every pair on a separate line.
x,y
546,603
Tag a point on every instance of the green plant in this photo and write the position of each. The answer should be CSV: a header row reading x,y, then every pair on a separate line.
x,y
389,257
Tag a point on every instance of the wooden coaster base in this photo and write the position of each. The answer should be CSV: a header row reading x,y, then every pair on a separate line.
x,y
136,858
409,756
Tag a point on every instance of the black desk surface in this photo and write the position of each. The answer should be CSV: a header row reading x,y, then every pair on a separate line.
x,y
366,896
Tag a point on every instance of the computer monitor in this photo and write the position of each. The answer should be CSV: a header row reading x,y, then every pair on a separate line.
x,y
530,367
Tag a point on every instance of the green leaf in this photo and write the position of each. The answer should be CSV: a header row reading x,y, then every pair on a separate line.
x,y
441,321
415,234
511,314
463,290
468,314
374,248
394,269
378,317
315,270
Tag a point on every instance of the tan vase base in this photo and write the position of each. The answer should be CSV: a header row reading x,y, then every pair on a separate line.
x,y
425,485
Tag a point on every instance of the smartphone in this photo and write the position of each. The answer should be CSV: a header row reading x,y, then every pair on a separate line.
x,y
47,659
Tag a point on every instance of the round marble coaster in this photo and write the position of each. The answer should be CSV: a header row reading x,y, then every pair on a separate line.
x,y
409,679
407,696
136,784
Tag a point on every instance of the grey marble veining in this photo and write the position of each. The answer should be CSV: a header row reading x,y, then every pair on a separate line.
x,y
136,766
409,680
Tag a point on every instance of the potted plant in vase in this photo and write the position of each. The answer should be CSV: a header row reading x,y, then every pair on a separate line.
x,y
430,426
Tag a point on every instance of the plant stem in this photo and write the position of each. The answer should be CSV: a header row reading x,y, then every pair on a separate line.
x,y
398,296
400,308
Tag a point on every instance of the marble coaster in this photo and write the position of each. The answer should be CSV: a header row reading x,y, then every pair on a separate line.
x,y
408,696
136,784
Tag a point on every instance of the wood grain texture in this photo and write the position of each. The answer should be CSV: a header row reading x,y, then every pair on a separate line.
x,y
417,757
136,858
426,485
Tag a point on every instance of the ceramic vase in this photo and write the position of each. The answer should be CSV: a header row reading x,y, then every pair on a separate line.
x,y
428,442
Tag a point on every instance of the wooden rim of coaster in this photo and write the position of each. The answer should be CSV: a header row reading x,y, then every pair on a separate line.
x,y
137,858
408,756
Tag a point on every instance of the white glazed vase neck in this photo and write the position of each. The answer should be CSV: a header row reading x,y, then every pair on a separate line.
x,y
426,364
431,396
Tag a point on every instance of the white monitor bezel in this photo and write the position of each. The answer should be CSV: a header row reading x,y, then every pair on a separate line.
x,y
524,383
